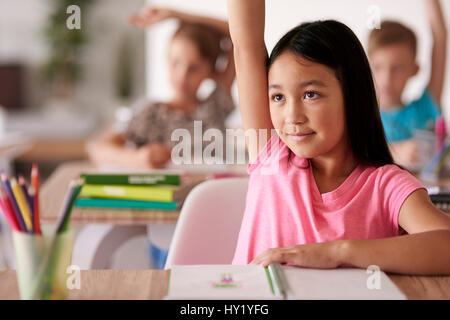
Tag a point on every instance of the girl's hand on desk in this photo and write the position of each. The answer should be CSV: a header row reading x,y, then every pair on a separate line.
x,y
153,155
324,255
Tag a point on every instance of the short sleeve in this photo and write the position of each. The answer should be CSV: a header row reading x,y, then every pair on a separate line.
x,y
144,126
396,185
221,101
267,153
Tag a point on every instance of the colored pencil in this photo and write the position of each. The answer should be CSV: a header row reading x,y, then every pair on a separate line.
x,y
13,202
23,186
65,206
22,203
7,211
75,194
35,185
31,194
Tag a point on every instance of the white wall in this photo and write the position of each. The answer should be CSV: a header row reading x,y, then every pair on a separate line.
x,y
22,40
282,15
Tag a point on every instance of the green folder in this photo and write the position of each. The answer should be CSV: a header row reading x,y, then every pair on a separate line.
x,y
131,179
124,204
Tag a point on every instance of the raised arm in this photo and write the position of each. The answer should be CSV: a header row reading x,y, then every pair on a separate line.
x,y
438,59
246,22
151,15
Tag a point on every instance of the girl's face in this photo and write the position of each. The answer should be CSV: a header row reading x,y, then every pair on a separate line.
x,y
187,68
306,106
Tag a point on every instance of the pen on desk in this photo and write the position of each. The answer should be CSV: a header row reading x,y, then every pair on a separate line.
x,y
35,185
278,282
13,202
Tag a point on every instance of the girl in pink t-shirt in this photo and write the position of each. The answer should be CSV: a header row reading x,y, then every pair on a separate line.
x,y
324,191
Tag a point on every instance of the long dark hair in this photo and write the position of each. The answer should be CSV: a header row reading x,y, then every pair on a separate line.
x,y
334,45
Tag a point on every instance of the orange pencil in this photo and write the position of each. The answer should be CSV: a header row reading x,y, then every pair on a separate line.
x,y
35,184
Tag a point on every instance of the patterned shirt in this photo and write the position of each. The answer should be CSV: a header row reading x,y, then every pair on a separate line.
x,y
154,122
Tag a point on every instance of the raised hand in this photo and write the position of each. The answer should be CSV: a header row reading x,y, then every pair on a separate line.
x,y
149,16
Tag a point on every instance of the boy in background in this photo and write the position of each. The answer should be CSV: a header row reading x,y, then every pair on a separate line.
x,y
392,54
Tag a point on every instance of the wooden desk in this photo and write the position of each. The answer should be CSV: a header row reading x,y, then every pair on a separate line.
x,y
55,150
151,284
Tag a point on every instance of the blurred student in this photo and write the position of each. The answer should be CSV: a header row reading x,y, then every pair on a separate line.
x,y
392,54
193,55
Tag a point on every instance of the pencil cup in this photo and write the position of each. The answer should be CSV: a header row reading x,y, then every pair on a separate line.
x,y
42,262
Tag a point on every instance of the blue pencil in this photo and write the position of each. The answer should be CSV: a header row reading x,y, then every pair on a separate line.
x,y
14,204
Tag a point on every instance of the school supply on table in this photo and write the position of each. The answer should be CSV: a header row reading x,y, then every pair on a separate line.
x,y
135,191
42,253
149,193
35,192
125,204
223,282
253,282
131,179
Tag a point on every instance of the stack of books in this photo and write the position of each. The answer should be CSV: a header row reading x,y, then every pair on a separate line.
x,y
134,191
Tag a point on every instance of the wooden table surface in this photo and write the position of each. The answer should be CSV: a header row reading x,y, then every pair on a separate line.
x,y
55,150
151,284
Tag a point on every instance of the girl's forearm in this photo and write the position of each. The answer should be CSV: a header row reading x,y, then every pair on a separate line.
x,y
424,253
218,24
246,20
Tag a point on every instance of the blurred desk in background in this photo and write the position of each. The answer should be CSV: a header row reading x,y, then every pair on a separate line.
x,y
54,150
53,137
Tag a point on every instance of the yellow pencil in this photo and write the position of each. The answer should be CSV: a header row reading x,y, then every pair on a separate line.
x,y
23,205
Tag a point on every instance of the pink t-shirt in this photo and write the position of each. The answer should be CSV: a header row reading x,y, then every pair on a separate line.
x,y
284,206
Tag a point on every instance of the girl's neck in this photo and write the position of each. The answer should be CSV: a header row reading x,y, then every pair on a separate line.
x,y
330,173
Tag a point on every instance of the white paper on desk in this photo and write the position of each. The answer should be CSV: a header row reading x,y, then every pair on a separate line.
x,y
342,284
206,282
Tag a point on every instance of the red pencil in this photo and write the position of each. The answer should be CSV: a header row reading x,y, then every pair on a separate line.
x,y
7,211
35,184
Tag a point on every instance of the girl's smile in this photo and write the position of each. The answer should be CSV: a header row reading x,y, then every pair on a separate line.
x,y
299,137
307,106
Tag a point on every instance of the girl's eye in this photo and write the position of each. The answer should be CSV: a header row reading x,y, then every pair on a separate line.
x,y
277,97
311,95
